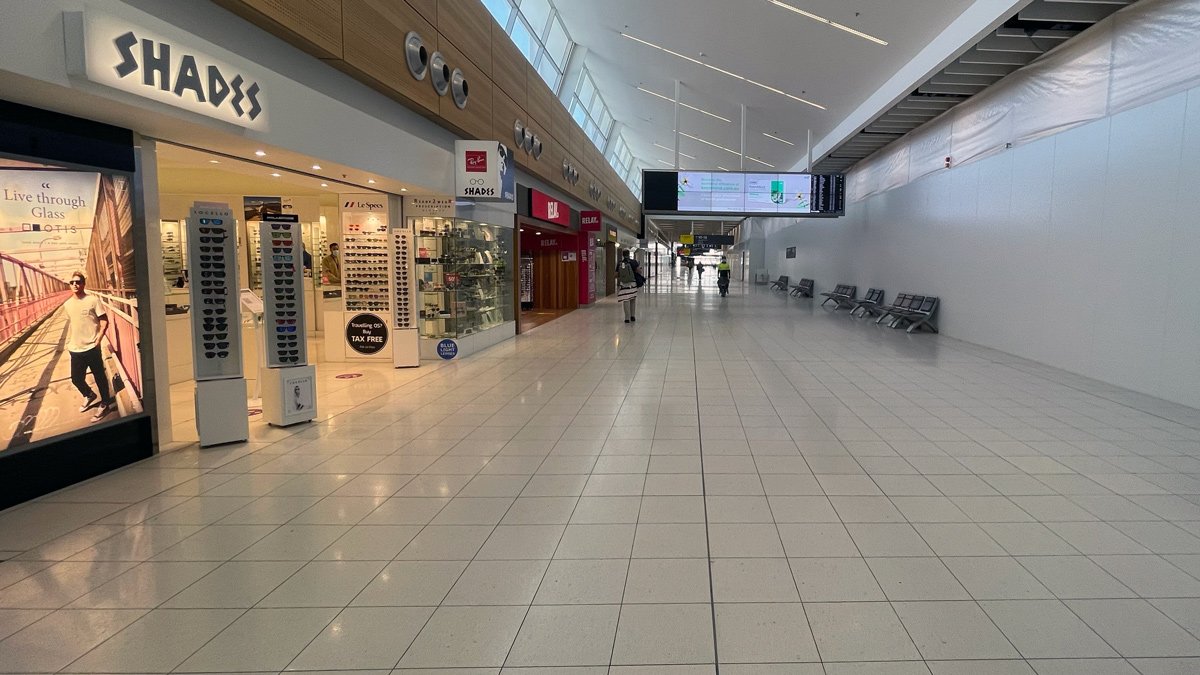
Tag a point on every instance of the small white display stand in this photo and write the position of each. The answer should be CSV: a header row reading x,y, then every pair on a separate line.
x,y
221,411
289,395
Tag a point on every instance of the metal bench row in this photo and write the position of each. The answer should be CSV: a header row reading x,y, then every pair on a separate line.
x,y
907,310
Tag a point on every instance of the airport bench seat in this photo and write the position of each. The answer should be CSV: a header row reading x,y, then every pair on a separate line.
x,y
780,284
841,296
804,289
916,312
867,304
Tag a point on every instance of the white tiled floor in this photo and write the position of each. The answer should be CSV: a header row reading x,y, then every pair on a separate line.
x,y
750,482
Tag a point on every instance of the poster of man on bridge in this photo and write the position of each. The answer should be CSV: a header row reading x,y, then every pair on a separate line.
x,y
69,334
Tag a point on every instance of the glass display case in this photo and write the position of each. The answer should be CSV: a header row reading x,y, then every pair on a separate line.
x,y
464,276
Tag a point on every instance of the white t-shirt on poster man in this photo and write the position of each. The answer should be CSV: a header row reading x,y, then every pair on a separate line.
x,y
83,315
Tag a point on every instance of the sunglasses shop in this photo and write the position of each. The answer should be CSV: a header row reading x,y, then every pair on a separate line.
x,y
184,237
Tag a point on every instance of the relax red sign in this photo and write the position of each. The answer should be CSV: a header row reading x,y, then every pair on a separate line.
x,y
589,221
544,207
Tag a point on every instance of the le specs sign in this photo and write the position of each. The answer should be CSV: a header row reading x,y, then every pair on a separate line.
x,y
544,207
484,171
134,59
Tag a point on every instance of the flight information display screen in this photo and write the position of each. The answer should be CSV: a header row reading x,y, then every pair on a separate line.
x,y
743,193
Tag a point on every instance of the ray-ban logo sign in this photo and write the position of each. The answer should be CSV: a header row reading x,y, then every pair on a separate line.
x,y
136,60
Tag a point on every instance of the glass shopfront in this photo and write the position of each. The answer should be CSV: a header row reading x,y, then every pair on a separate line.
x,y
464,276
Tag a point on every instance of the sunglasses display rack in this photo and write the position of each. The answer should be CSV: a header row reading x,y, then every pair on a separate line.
x,y
283,300
216,316
216,325
288,382
172,250
406,338
365,267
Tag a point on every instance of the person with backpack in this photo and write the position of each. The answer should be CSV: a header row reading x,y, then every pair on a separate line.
x,y
627,285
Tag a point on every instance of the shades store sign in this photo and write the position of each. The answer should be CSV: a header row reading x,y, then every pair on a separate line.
x,y
112,52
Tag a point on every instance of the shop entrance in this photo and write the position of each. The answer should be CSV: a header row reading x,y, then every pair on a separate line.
x,y
254,192
551,269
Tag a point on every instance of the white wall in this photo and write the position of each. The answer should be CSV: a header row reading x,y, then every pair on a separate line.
x,y
1079,250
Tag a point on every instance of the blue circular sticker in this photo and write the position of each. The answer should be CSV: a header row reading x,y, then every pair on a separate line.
x,y
447,349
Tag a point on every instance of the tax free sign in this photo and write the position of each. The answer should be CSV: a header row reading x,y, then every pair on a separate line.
x,y
117,53
484,171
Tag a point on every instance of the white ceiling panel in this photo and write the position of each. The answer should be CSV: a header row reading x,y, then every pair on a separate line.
x,y
754,39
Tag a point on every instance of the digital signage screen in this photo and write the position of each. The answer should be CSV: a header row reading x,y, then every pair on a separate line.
x,y
743,193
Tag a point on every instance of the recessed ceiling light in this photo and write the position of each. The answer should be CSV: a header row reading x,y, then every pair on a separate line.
x,y
404,189
316,167
689,107
681,153
275,175
537,234
371,181
324,184
260,153
827,22
724,72
777,138
214,161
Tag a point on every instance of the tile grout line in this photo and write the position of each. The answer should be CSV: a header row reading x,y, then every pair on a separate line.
x,y
712,597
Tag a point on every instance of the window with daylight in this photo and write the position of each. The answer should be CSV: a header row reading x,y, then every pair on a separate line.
x,y
621,158
537,30
634,181
590,111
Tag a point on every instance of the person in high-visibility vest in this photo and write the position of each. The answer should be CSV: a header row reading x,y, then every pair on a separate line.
x,y
723,275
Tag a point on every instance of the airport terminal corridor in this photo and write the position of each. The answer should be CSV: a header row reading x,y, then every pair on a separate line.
x,y
743,485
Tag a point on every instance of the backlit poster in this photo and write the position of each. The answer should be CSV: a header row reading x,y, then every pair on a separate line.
x,y
69,331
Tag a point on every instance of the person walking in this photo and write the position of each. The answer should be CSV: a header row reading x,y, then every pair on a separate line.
x,y
627,286
86,325
723,275
700,271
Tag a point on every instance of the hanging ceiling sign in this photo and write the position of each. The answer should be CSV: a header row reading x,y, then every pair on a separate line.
x,y
118,54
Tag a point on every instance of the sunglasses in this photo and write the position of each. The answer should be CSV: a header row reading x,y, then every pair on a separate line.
x,y
212,230
215,355
211,240
285,329
211,221
75,282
